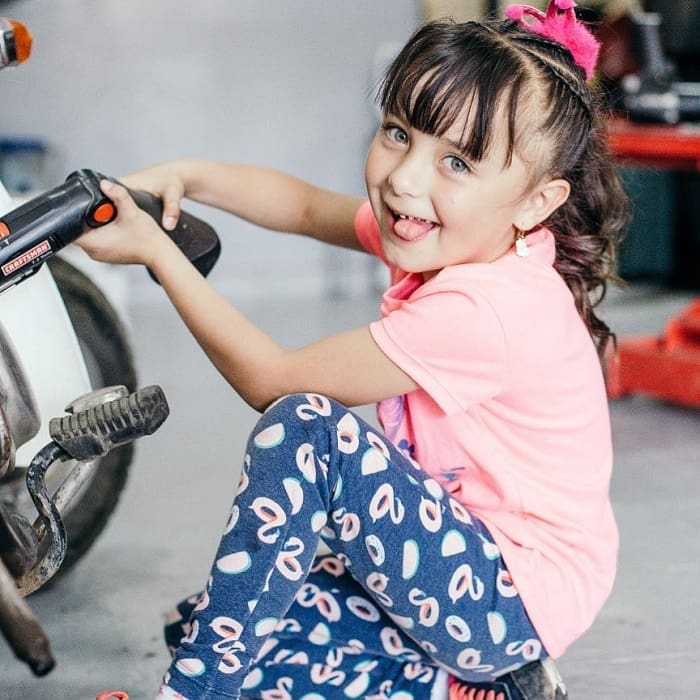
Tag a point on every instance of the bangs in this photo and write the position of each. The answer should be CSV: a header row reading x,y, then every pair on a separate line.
x,y
452,72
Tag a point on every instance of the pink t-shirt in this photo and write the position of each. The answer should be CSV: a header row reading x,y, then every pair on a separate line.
x,y
511,417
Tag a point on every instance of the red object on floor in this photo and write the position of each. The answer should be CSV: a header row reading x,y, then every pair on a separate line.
x,y
666,366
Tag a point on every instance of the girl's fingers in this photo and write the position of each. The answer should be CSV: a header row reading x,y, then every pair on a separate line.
x,y
119,195
171,195
171,206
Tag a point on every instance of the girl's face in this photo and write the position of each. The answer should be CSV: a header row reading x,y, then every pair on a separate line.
x,y
435,207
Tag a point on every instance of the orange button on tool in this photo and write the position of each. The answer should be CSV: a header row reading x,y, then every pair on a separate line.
x,y
4,230
17,41
104,213
23,40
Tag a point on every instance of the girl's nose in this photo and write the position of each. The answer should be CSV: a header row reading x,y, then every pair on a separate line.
x,y
410,176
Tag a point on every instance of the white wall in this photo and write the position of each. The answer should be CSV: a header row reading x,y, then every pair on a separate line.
x,y
117,84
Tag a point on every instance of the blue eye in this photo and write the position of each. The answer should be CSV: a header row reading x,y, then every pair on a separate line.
x,y
456,164
396,133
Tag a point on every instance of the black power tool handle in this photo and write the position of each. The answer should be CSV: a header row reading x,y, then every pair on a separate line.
x,y
196,239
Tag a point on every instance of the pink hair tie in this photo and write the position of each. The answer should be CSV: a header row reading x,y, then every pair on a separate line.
x,y
560,24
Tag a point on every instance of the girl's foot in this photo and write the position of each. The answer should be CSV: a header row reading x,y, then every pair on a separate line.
x,y
539,680
112,695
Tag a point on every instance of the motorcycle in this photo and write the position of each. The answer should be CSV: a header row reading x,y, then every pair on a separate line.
x,y
62,469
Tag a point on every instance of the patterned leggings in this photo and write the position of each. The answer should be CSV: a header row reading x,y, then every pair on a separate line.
x,y
414,582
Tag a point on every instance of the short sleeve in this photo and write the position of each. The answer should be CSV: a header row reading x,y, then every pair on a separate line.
x,y
450,343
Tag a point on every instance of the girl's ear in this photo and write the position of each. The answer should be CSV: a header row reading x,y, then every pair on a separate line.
x,y
542,201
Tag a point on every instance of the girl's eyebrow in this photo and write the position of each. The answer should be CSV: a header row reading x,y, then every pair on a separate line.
x,y
394,117
459,147
454,144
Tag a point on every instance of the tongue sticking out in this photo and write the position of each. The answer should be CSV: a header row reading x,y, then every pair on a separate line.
x,y
411,229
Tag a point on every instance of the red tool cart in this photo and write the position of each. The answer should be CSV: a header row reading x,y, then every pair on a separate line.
x,y
665,366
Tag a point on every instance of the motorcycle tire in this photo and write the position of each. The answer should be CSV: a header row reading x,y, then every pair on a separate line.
x,y
108,357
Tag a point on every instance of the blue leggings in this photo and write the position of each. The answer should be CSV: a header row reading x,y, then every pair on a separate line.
x,y
413,583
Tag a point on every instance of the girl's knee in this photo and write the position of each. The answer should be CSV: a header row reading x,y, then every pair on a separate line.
x,y
297,432
293,421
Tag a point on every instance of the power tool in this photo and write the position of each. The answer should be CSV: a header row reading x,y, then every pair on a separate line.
x,y
39,228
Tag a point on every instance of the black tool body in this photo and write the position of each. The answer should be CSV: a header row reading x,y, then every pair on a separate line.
x,y
39,228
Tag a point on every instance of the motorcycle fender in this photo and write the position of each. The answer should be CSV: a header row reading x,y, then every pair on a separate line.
x,y
36,320
37,323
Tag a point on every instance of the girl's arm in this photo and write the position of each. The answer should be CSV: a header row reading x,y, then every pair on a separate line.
x,y
348,366
265,197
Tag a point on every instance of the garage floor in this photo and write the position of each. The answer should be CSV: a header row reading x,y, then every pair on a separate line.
x,y
104,618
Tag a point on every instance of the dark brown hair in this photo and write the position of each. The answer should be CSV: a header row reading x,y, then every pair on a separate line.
x,y
498,68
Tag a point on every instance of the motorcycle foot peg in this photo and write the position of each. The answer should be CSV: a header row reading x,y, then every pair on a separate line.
x,y
105,419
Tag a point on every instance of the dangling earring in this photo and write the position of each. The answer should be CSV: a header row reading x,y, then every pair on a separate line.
x,y
521,249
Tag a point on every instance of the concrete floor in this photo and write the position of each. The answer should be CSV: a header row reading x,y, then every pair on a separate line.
x,y
104,618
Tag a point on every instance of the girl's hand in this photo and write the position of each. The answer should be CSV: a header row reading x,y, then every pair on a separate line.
x,y
162,181
133,237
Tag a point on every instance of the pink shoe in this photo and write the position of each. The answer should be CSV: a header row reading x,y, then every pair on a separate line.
x,y
538,680
112,695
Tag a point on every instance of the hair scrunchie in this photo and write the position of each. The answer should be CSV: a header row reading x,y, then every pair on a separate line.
x,y
560,24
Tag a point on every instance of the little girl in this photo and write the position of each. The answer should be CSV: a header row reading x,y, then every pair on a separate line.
x,y
473,539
